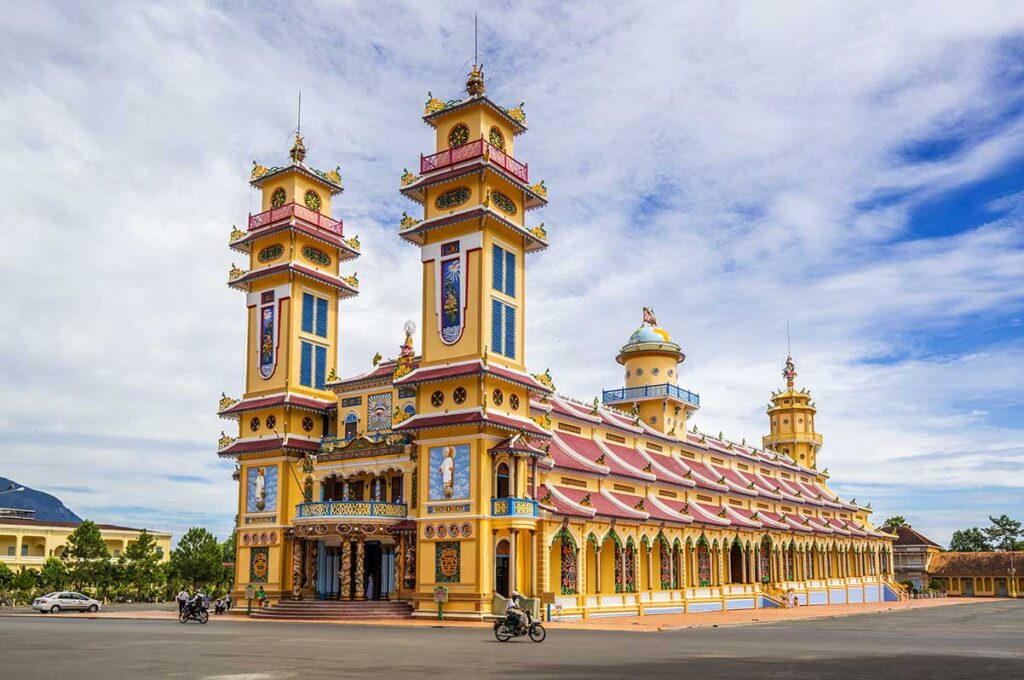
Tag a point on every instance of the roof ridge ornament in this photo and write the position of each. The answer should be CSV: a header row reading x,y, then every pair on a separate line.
x,y
649,318
789,372
298,151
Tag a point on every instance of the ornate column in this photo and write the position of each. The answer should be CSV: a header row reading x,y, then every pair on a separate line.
x,y
743,564
398,565
311,559
409,563
297,551
513,557
360,570
346,570
533,564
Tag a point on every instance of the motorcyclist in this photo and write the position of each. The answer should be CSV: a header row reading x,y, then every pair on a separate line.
x,y
513,612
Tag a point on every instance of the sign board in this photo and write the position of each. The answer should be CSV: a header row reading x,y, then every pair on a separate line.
x,y
250,592
440,594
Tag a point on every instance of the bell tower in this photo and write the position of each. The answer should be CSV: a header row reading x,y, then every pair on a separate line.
x,y
791,419
292,288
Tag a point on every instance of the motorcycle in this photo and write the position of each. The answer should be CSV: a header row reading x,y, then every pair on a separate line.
x,y
194,612
531,627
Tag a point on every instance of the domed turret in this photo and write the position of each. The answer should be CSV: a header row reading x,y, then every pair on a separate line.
x,y
651,359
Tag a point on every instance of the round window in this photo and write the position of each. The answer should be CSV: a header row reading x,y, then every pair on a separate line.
x,y
271,253
655,371
498,397
316,256
437,398
271,422
670,371
452,199
278,198
654,420
459,395
458,136
254,424
496,138
513,401
312,200
639,371
307,424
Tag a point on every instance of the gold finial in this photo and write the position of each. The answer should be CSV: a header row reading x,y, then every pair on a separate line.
x,y
789,372
518,114
377,358
433,104
298,150
475,83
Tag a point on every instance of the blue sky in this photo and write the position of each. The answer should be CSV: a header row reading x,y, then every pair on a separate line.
x,y
856,168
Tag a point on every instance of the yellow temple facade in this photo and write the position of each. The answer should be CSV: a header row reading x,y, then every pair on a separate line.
x,y
452,477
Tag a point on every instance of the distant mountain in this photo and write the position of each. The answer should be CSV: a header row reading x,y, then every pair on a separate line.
x,y
47,508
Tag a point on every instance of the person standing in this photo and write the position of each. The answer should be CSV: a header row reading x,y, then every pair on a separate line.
x,y
182,599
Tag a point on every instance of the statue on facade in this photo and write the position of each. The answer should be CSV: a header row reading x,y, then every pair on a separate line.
x,y
297,569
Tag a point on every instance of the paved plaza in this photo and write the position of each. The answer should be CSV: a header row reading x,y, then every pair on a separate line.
x,y
981,639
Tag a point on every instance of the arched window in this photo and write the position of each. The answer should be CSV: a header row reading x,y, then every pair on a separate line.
x,y
629,567
501,481
568,556
703,563
351,425
764,559
495,137
501,564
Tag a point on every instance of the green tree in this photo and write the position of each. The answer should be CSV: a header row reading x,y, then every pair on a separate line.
x,y
141,568
198,558
87,555
6,579
25,584
1004,533
969,540
54,575
894,522
230,546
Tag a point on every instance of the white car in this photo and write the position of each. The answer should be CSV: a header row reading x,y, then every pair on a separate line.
x,y
65,601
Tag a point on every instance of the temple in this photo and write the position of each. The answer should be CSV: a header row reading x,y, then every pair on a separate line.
x,y
451,477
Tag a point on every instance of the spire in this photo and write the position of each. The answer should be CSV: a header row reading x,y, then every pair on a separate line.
x,y
475,84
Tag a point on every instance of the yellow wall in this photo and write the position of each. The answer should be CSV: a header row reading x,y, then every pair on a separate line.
x,y
45,540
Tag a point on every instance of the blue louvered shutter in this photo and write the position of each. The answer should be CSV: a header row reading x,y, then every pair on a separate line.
x,y
510,332
321,317
496,318
307,313
510,274
498,263
321,366
306,365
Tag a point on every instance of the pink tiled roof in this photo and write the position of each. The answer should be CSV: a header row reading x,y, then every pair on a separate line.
x,y
310,403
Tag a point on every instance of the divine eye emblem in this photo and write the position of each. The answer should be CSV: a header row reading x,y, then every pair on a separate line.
x,y
437,398
458,136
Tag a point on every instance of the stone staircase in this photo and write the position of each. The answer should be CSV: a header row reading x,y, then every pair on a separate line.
x,y
334,610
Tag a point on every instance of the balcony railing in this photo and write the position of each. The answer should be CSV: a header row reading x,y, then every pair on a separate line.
x,y
513,507
663,390
351,509
470,150
293,209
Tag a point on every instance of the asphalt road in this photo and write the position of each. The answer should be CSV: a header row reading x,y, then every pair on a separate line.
x,y
972,641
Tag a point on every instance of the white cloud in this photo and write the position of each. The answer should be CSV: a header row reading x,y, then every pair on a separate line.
x,y
709,161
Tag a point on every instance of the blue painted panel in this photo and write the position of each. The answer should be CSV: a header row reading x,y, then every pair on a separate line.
x,y
838,595
307,313
306,365
497,267
871,594
802,599
321,366
663,610
856,595
890,594
765,603
747,603
510,274
819,597
321,317
496,318
510,332
705,607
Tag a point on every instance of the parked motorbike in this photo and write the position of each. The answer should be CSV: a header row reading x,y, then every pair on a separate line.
x,y
194,612
503,632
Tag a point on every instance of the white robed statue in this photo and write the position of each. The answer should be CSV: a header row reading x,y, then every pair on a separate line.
x,y
447,470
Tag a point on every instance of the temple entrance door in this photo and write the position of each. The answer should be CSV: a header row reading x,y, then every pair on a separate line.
x,y
372,572
501,568
736,564
968,587
1001,587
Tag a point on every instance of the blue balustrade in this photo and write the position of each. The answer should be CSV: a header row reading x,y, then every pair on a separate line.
x,y
368,509
513,507
662,390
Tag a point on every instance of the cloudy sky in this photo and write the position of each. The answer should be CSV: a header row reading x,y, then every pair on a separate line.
x,y
857,168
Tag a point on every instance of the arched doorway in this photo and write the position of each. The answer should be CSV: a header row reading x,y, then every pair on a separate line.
x,y
501,481
501,568
736,563
351,425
